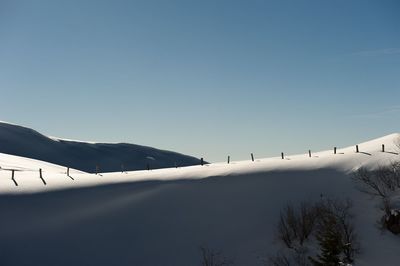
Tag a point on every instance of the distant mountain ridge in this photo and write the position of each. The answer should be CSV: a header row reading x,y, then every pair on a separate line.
x,y
85,156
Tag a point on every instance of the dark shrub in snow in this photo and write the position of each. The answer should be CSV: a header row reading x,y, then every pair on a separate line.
x,y
392,221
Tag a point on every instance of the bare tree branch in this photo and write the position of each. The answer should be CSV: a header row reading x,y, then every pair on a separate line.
x,y
210,257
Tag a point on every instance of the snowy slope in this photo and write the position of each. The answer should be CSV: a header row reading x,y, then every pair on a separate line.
x,y
23,164
85,156
161,217
346,160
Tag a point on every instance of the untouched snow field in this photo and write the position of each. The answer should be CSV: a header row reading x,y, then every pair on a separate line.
x,y
162,217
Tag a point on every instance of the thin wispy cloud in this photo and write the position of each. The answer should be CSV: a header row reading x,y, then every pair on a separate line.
x,y
380,113
379,52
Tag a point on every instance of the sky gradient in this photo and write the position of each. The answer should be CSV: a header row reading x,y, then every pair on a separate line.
x,y
205,78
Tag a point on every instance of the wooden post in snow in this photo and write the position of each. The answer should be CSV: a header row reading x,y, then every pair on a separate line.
x,y
68,174
334,150
282,155
383,147
41,176
252,157
229,159
148,167
309,153
357,150
12,177
97,169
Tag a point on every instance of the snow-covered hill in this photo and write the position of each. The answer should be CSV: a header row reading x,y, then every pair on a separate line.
x,y
86,156
161,217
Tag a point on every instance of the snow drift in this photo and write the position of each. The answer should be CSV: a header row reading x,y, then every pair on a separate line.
x,y
161,217
85,156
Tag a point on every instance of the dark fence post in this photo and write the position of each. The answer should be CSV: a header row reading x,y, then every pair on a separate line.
x,y
97,169
357,150
12,177
383,147
282,155
122,168
334,150
252,157
41,176
201,161
68,174
148,167
309,153
229,159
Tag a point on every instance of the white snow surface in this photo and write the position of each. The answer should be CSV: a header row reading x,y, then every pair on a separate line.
x,y
27,165
72,140
346,160
161,217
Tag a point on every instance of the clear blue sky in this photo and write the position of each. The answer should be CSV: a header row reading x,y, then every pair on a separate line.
x,y
206,78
